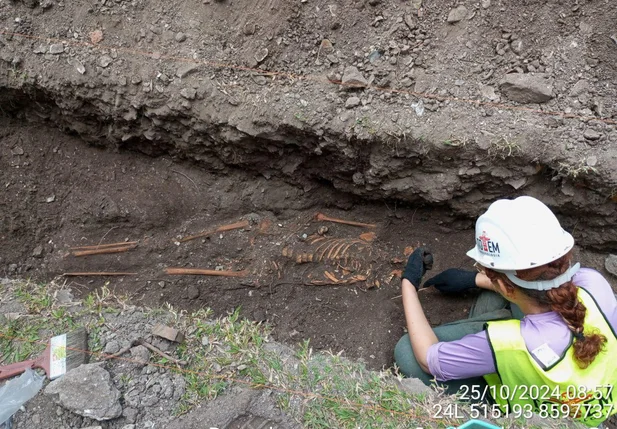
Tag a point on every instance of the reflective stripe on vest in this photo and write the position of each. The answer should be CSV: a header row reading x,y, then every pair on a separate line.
x,y
564,389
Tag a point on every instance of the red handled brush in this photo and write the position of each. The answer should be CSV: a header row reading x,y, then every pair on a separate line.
x,y
63,353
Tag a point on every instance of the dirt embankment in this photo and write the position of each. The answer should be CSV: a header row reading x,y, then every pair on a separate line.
x,y
275,136
253,85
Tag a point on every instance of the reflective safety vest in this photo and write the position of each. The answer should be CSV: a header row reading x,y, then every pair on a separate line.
x,y
521,386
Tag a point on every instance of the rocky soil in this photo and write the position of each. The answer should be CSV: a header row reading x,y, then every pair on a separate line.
x,y
435,102
130,387
133,390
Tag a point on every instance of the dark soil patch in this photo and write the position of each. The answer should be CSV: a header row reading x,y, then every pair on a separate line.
x,y
59,193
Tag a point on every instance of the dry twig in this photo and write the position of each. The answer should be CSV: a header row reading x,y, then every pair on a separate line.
x,y
141,342
160,352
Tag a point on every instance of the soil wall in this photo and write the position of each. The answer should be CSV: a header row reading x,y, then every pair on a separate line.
x,y
422,116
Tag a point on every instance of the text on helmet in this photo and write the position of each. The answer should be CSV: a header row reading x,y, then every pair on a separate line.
x,y
486,245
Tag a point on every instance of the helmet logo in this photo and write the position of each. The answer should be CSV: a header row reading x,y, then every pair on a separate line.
x,y
486,245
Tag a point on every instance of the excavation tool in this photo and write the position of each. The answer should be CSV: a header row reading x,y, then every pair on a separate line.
x,y
63,353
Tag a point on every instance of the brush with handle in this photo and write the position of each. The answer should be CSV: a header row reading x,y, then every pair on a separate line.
x,y
63,353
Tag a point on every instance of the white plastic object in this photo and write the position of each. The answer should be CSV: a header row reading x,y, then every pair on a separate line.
x,y
519,234
17,391
418,107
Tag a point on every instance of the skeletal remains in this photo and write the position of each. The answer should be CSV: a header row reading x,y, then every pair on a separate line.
x,y
329,260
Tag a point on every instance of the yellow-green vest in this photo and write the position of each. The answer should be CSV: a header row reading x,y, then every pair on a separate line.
x,y
563,389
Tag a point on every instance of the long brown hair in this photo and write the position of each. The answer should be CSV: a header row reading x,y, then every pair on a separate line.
x,y
563,300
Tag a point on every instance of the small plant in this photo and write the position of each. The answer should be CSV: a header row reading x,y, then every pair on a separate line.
x,y
503,148
573,171
104,300
366,123
63,318
19,76
456,142
125,379
36,298
300,117
19,340
94,339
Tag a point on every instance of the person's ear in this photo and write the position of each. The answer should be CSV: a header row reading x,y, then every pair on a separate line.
x,y
505,289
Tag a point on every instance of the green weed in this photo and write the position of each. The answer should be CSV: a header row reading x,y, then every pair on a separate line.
x,y
503,148
36,298
573,171
20,340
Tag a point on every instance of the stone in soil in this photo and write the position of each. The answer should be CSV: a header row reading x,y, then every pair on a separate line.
x,y
457,14
96,36
56,48
87,391
78,65
188,93
234,404
112,347
410,21
64,297
105,60
527,88
488,92
517,46
140,355
353,77
580,87
414,386
250,421
186,69
352,102
611,264
130,414
193,292
591,134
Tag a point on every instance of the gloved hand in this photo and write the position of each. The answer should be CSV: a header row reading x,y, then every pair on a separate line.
x,y
453,280
418,263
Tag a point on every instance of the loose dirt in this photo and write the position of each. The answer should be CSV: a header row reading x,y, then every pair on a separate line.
x,y
60,193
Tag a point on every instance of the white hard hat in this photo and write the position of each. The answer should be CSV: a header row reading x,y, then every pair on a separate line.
x,y
519,234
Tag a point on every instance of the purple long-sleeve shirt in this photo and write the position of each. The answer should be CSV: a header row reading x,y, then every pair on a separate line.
x,y
471,356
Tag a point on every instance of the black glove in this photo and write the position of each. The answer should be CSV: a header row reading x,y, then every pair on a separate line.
x,y
453,280
418,263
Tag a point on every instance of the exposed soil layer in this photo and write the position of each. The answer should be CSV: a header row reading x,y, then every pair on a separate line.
x,y
60,192
256,86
